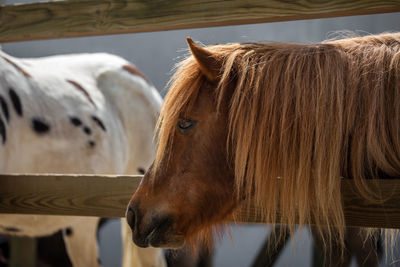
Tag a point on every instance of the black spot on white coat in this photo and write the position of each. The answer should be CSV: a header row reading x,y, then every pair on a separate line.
x,y
99,123
16,101
68,231
40,126
12,229
87,130
141,170
91,144
4,108
75,121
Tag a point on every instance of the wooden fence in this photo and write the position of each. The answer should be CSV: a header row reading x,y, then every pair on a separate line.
x,y
90,17
107,196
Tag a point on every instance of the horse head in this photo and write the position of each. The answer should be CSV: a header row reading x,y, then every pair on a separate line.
x,y
191,184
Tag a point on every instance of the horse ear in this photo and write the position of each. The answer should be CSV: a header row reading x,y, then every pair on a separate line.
x,y
209,65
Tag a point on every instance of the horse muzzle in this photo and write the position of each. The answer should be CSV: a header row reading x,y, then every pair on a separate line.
x,y
152,228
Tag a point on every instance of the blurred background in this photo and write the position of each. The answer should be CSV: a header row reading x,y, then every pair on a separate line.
x,y
156,53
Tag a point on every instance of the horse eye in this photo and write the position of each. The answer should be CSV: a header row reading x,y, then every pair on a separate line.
x,y
186,124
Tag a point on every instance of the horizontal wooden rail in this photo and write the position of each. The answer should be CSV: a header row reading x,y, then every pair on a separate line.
x,y
107,196
85,195
88,17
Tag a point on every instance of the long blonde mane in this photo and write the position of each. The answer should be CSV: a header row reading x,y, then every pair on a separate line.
x,y
302,116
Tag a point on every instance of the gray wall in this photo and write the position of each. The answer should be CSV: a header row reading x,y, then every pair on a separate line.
x,y
156,53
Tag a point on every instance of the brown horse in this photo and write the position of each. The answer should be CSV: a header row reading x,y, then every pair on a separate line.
x,y
277,123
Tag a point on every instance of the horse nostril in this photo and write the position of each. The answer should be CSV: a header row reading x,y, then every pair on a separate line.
x,y
131,217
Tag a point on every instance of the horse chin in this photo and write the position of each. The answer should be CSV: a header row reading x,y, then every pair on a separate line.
x,y
166,240
172,242
157,240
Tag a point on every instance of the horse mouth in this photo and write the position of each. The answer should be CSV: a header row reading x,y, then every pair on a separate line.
x,y
154,239
159,234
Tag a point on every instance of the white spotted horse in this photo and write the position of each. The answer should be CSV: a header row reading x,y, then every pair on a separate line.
x,y
86,113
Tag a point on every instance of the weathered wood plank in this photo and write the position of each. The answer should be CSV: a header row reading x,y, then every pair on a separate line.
x,y
86,195
358,211
107,196
88,17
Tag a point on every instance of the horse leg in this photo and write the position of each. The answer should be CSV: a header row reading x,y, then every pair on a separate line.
x,y
329,254
51,251
81,243
357,243
366,248
273,246
134,256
